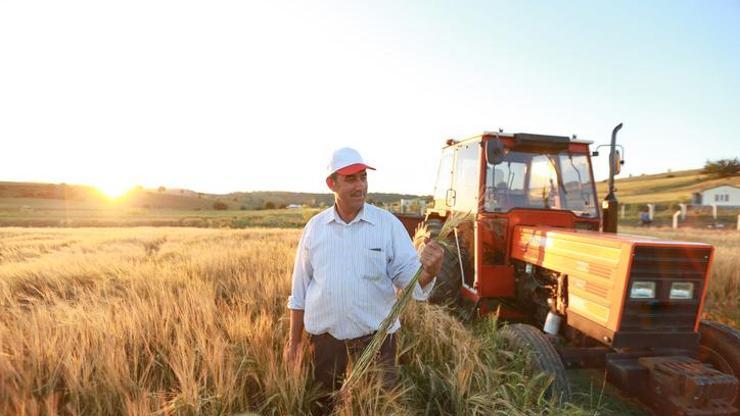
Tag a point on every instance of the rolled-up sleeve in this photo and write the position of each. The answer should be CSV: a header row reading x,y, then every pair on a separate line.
x,y
404,262
302,273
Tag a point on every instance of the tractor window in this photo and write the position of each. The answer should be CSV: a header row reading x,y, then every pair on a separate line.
x,y
544,190
541,180
467,178
576,177
505,186
444,179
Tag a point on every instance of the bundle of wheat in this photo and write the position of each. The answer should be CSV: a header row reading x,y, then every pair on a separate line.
x,y
420,237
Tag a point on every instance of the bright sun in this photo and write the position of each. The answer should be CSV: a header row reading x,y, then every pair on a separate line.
x,y
114,190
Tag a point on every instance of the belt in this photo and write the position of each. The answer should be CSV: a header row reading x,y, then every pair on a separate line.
x,y
352,342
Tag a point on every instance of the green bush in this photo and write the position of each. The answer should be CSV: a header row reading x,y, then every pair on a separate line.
x,y
722,168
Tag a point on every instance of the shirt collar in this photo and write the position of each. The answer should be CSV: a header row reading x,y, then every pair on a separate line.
x,y
365,214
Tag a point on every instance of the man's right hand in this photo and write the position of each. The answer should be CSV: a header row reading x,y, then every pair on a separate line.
x,y
293,354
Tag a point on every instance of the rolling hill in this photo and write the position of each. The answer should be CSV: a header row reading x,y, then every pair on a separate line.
x,y
27,195
664,188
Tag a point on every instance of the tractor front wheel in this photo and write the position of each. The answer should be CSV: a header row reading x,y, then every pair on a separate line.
x,y
541,357
446,290
719,345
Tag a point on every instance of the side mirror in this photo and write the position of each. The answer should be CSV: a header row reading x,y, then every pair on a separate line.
x,y
617,162
495,151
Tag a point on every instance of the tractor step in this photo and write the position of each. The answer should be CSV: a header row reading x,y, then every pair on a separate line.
x,y
676,385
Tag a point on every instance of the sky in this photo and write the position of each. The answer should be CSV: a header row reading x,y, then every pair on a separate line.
x,y
247,95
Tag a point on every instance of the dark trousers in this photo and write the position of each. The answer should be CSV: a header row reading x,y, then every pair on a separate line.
x,y
331,356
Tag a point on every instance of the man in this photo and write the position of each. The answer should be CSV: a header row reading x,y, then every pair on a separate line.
x,y
350,261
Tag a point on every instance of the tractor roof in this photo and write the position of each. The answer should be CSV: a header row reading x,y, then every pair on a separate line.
x,y
505,134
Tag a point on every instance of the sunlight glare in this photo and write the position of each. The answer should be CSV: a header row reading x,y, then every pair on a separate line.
x,y
114,190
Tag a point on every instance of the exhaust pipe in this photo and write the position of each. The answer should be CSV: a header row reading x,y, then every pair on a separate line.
x,y
610,205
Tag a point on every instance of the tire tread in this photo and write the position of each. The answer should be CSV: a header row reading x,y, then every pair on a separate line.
x,y
544,354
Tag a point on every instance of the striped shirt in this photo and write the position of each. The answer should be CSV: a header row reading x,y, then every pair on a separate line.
x,y
346,275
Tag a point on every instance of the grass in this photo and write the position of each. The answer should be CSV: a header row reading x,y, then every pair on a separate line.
x,y
186,321
669,187
40,216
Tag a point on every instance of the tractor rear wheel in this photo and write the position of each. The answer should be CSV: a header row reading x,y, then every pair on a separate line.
x,y
541,357
434,226
719,346
446,290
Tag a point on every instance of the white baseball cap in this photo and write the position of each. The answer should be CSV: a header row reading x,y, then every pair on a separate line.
x,y
346,161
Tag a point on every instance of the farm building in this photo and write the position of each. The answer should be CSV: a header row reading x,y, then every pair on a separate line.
x,y
722,196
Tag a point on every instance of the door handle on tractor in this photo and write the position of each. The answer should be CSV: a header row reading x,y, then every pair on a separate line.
x,y
450,198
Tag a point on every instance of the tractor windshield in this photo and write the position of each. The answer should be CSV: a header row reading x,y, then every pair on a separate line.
x,y
541,180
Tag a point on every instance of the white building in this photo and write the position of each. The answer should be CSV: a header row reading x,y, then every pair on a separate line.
x,y
722,196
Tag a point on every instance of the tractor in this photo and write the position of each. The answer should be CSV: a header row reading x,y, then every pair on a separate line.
x,y
540,251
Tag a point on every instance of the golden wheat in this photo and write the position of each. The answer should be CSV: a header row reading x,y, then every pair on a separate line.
x,y
133,321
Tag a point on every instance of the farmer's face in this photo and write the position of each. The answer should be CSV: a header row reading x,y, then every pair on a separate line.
x,y
350,191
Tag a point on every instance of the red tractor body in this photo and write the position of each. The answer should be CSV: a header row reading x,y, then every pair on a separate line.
x,y
537,249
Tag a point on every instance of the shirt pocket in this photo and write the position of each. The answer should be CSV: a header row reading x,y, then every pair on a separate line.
x,y
373,265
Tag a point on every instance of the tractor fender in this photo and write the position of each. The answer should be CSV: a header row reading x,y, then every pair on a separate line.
x,y
719,345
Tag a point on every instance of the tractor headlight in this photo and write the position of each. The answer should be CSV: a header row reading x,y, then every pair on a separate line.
x,y
682,290
642,290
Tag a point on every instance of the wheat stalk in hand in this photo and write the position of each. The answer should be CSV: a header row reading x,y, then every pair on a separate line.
x,y
371,351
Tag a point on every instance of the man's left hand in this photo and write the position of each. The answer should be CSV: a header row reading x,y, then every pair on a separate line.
x,y
431,258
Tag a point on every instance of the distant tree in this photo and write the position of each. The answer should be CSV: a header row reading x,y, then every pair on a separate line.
x,y
161,189
243,208
182,191
269,205
722,168
282,206
220,206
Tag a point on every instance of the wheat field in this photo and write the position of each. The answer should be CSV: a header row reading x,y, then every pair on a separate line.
x,y
187,321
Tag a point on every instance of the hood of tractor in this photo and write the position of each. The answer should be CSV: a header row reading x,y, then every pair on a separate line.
x,y
622,288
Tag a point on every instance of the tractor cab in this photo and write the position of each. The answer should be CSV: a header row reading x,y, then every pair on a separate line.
x,y
495,174
505,180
